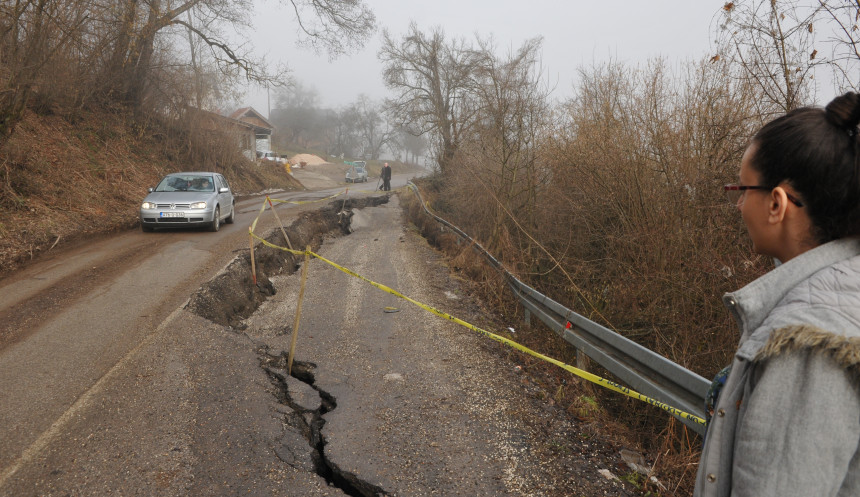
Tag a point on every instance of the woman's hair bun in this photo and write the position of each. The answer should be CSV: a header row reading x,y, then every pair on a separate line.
x,y
844,111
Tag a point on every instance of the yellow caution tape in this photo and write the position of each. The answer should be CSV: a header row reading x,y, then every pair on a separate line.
x,y
269,200
254,223
611,385
272,245
299,202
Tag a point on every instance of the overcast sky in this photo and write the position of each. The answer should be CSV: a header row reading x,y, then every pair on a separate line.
x,y
576,34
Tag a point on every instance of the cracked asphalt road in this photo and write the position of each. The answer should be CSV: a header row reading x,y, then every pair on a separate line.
x,y
416,390
423,406
152,399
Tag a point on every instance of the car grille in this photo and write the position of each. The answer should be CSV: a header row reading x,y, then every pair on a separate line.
x,y
174,219
175,206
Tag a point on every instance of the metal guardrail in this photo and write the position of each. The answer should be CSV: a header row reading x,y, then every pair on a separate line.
x,y
640,368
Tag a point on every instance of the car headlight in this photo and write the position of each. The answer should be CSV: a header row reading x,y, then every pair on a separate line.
x,y
198,205
148,205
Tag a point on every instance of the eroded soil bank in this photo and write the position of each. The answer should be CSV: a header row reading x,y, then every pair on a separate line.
x,y
232,296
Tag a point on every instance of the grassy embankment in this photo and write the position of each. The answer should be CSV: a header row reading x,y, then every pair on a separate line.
x,y
63,180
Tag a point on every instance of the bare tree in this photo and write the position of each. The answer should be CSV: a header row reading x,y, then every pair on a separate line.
x,y
514,113
432,80
501,150
125,50
341,133
31,33
334,26
411,144
372,130
774,41
842,18
296,113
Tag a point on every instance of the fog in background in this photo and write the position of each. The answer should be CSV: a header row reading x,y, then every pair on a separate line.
x,y
576,34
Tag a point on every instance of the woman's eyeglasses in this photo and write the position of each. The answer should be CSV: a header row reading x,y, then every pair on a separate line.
x,y
735,192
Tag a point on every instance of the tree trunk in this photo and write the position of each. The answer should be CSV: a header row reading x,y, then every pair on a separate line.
x,y
137,75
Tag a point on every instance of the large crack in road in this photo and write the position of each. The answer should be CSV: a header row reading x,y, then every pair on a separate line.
x,y
231,297
307,405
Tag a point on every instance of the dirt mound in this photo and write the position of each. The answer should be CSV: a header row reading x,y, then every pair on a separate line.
x,y
308,159
322,176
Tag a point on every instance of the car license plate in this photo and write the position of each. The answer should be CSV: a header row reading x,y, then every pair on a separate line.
x,y
172,214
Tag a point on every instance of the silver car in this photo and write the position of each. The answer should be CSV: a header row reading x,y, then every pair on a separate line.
x,y
186,200
357,173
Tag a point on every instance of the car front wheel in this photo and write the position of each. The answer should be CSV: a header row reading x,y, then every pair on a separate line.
x,y
216,221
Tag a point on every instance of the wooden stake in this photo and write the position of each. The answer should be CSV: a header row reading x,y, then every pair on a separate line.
x,y
253,267
298,310
290,245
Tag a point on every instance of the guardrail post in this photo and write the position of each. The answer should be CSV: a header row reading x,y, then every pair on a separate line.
x,y
528,317
581,359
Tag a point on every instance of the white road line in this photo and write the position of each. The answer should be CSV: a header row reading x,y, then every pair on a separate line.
x,y
83,401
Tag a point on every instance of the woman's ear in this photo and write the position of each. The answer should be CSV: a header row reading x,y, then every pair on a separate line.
x,y
777,205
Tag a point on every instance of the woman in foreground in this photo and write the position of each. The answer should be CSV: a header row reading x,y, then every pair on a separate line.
x,y
787,420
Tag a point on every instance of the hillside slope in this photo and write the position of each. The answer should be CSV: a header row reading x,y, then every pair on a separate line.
x,y
64,179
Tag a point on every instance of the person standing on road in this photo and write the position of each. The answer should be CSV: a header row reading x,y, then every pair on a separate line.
x,y
787,419
386,177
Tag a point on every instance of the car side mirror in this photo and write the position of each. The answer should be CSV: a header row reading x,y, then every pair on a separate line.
x,y
151,189
223,190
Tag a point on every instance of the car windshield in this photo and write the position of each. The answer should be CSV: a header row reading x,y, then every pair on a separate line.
x,y
186,183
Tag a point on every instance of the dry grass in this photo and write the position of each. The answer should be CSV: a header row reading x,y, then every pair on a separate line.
x,y
618,213
671,446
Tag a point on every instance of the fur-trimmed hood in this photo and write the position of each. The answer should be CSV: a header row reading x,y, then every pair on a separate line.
x,y
844,350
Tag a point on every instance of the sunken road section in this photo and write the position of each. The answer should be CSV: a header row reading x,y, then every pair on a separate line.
x,y
231,297
303,444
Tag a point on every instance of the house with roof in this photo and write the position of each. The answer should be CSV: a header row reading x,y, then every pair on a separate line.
x,y
261,127
219,127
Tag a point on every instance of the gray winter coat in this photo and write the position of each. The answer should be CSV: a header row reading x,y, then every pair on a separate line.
x,y
787,422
